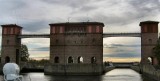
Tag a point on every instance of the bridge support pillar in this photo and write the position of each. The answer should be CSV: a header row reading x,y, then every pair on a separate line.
x,y
10,51
149,37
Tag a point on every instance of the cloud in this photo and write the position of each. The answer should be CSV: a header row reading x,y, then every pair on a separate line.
x,y
122,55
70,3
122,50
113,13
108,46
36,26
117,15
11,5
120,45
145,6
40,49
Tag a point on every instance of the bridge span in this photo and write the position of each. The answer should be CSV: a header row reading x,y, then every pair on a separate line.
x,y
104,35
123,64
34,36
121,35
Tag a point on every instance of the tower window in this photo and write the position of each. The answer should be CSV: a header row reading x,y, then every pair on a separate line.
x,y
150,60
80,59
7,59
93,60
56,60
75,29
70,59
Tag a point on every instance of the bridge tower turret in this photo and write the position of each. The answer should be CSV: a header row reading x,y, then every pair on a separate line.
x,y
149,37
10,51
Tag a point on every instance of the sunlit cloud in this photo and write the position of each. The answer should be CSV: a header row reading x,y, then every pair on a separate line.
x,y
117,59
39,54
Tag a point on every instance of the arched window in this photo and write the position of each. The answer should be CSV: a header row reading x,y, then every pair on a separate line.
x,y
93,60
80,59
7,59
150,60
56,60
70,59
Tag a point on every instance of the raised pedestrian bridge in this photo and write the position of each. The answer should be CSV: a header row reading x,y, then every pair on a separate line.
x,y
137,34
34,36
121,34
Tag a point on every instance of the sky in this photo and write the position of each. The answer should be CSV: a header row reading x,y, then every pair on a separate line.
x,y
117,15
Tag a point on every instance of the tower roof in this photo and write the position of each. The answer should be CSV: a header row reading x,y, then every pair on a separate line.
x,y
11,25
148,22
76,23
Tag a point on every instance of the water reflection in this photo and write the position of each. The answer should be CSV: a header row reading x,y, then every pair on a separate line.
x,y
114,75
42,77
122,75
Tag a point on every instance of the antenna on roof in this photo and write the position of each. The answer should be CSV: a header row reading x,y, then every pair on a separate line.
x,y
87,18
68,18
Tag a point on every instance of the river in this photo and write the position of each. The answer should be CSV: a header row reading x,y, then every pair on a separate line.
x,y
114,75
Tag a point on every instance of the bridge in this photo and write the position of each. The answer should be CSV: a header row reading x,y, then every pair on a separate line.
x,y
121,35
34,36
104,35
122,64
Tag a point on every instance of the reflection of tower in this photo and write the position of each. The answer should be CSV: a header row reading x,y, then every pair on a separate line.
x,y
149,37
10,43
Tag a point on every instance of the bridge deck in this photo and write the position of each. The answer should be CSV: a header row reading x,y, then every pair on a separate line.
x,y
121,35
104,35
34,36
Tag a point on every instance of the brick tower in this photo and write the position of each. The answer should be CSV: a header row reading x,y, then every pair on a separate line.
x,y
149,37
76,48
10,43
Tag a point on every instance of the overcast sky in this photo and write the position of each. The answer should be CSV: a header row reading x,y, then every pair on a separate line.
x,y
117,15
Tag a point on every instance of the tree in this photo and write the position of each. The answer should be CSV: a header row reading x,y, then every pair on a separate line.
x,y
24,53
156,50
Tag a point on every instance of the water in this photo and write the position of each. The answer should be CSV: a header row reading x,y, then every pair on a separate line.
x,y
122,75
114,75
